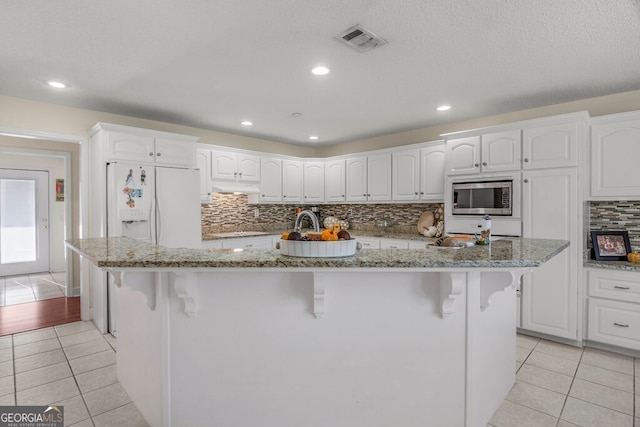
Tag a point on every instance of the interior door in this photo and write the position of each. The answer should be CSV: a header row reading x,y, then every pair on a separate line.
x,y
24,221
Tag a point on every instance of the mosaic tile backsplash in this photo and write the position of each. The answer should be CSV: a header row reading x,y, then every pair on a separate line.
x,y
616,216
230,212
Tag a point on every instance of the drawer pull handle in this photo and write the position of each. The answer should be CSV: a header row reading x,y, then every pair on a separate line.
x,y
626,288
621,325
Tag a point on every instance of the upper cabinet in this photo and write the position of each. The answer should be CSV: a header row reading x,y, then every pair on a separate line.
x,y
313,178
418,174
615,150
203,164
495,152
271,180
147,146
292,179
335,181
227,165
553,146
368,178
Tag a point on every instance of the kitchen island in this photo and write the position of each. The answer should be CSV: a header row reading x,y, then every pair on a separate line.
x,y
225,337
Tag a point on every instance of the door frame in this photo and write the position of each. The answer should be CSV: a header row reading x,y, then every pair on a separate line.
x,y
66,158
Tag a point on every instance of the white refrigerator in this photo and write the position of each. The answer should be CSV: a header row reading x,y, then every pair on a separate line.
x,y
155,204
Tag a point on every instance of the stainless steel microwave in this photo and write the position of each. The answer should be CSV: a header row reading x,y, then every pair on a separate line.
x,y
482,198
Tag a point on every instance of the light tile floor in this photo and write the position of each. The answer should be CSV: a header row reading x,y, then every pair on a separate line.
x,y
563,386
556,385
71,365
30,288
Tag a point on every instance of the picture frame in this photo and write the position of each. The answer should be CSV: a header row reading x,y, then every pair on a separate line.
x,y
610,245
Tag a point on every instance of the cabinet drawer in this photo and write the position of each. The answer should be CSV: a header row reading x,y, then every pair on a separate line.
x,y
614,322
619,285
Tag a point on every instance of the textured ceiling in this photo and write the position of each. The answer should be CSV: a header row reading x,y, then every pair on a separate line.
x,y
212,64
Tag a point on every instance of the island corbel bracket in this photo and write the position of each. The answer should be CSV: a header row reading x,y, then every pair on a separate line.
x,y
319,280
451,288
186,286
494,282
143,282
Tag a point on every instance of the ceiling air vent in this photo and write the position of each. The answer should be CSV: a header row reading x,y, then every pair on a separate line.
x,y
360,39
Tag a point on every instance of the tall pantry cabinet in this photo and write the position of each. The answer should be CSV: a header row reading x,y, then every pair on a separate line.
x,y
552,209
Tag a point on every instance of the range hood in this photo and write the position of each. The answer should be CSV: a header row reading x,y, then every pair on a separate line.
x,y
234,187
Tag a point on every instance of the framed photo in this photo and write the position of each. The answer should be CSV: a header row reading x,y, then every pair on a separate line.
x,y
610,245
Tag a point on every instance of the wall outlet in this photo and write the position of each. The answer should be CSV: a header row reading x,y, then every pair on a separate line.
x,y
256,213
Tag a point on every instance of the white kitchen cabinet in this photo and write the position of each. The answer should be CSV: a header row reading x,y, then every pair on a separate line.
x,y
550,292
356,179
494,152
203,164
432,172
292,181
313,189
232,166
613,315
147,146
406,174
615,150
369,178
552,146
270,180
335,181
394,244
260,242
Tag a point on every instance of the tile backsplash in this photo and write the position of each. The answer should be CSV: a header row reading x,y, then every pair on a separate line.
x,y
231,212
616,216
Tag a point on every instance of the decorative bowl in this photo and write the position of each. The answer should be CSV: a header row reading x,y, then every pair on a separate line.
x,y
311,249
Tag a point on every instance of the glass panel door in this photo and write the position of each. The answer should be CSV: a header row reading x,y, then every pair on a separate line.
x,y
24,222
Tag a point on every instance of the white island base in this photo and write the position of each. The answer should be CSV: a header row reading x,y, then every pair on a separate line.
x,y
329,347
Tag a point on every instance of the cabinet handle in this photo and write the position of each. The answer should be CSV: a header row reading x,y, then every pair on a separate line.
x,y
526,160
621,325
416,193
305,197
343,195
421,193
240,174
368,195
626,288
526,180
476,164
263,195
151,154
484,163
235,174
284,195
364,195
158,154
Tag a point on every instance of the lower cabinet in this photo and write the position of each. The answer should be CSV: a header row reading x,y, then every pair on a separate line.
x,y
613,313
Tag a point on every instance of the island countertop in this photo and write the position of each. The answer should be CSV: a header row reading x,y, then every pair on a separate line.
x,y
128,253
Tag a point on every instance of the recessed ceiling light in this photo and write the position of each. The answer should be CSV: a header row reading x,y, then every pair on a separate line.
x,y
246,123
444,108
313,137
57,85
320,71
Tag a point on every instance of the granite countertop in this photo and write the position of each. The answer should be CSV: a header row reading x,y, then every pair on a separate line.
x,y
612,265
124,253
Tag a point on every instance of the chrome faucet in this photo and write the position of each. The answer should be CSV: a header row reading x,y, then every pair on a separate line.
x,y
314,221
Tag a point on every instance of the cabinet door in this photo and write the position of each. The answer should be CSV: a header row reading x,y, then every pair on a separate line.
x,y
334,181
123,146
553,146
432,173
501,151
224,165
356,178
270,180
463,156
406,175
175,152
248,167
203,164
379,178
313,182
291,181
615,150
550,292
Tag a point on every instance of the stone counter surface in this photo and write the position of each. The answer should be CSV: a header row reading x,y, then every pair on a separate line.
x,y
128,253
